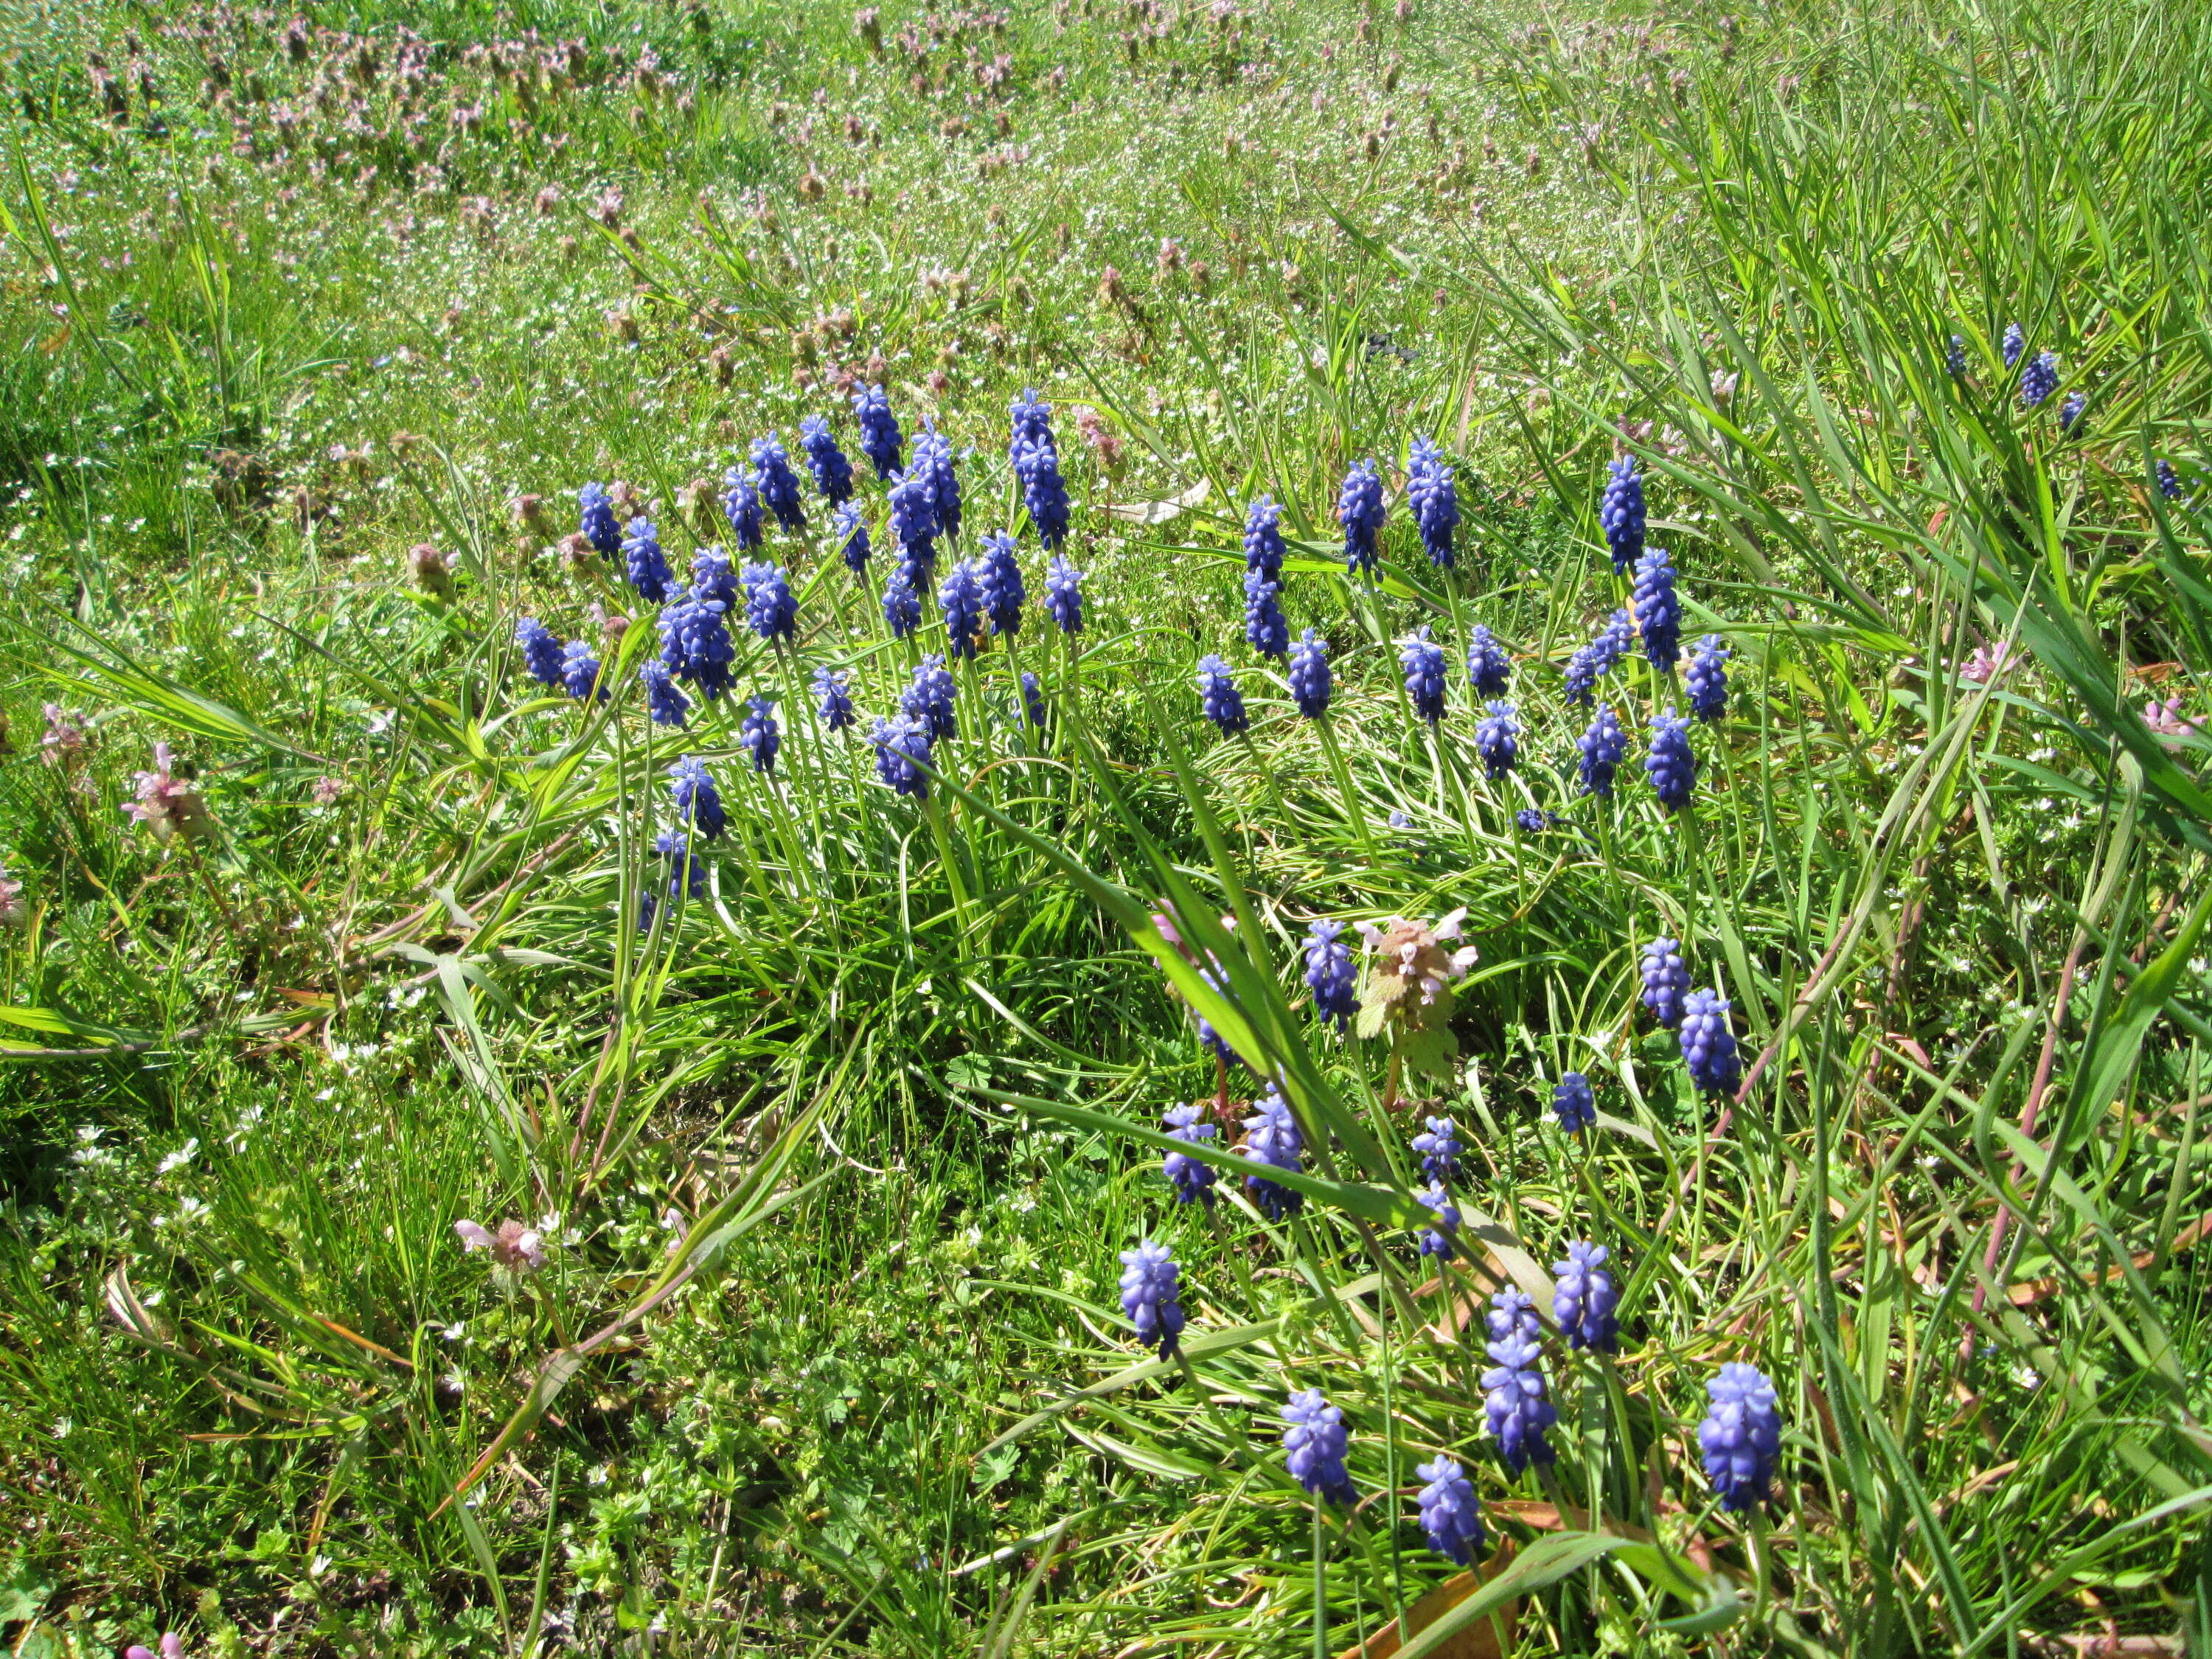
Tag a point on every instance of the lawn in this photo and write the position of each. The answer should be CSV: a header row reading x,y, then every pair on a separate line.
x,y
1228,830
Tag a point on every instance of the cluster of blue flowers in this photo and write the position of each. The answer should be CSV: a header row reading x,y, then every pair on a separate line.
x,y
1699,1018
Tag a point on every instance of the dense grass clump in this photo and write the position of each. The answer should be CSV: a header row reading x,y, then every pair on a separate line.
x,y
1249,828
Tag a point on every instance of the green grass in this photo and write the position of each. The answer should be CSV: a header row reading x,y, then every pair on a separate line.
x,y
832,1164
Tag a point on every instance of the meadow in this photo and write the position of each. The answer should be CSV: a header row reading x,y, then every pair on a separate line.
x,y
1105,829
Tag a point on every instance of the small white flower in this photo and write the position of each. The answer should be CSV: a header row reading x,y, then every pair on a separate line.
x,y
177,1160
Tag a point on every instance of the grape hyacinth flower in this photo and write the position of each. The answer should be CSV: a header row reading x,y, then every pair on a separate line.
x,y
664,702
1708,1045
1439,1146
1437,1237
1707,680
1489,669
1740,1437
999,580
960,602
1533,820
1331,974
1150,1282
758,735
643,562
1620,512
687,874
902,747
1314,1447
901,604
1310,676
1266,629
598,520
1435,501
835,699
914,524
1224,703
1573,1104
929,699
1033,710
881,441
1209,1039
1494,740
771,610
1359,509
833,473
1666,980
1263,539
713,580
777,483
2039,379
1063,594
698,802
2169,481
1611,642
1585,1298
1422,661
1191,1178
1031,418
1583,671
1512,1317
1514,1404
1452,1518
1671,766
741,506
1603,747
1271,1137
1044,493
1658,610
1954,359
2070,410
694,642
2014,343
852,535
541,651
933,456
579,671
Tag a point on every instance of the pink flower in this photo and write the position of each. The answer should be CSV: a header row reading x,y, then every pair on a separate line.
x,y
514,1248
167,804
2168,719
173,1647
327,789
1985,664
11,902
1408,951
63,743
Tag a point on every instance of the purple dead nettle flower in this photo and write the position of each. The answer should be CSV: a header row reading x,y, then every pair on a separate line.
x,y
1986,665
777,483
1408,951
833,473
514,1249
167,805
13,911
852,536
664,702
1151,1291
326,790
1000,581
2170,721
741,506
1191,1178
172,1646
64,741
